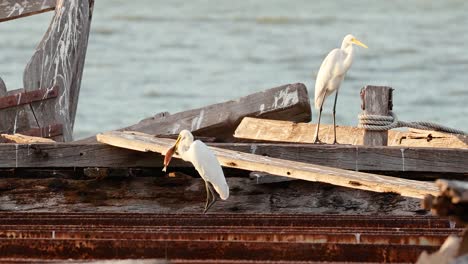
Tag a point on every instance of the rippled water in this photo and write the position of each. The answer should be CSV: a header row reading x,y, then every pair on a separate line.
x,y
148,56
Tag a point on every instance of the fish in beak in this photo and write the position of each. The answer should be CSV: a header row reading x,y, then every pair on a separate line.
x,y
170,152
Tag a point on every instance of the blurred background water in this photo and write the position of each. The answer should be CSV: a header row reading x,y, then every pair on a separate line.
x,y
149,56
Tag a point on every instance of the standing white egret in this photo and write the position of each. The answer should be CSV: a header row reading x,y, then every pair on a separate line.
x,y
331,74
204,161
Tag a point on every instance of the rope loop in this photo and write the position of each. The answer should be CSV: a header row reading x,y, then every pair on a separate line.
x,y
384,123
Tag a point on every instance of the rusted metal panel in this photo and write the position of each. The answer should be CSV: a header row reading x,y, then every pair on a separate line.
x,y
220,238
116,248
23,98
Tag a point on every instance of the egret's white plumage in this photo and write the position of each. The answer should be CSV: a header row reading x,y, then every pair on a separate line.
x,y
331,73
204,161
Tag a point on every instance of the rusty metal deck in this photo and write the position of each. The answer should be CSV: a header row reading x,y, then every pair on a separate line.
x,y
219,238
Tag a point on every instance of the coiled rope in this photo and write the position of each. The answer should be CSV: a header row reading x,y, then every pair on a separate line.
x,y
383,123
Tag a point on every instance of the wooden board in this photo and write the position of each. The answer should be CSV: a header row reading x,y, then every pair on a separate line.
x,y
287,102
291,169
58,60
420,162
24,139
284,131
12,9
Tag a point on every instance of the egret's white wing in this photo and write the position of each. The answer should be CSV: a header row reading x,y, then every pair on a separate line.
x,y
329,76
207,165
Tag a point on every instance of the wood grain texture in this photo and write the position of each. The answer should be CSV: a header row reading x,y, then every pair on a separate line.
x,y
287,102
186,194
285,131
357,158
58,60
281,167
16,119
23,139
12,9
376,102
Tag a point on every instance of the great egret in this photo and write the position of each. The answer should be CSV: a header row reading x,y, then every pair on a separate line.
x,y
205,163
331,74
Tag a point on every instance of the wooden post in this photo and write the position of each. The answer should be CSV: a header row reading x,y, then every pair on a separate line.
x,y
376,100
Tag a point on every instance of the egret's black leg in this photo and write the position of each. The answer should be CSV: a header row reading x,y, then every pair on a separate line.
x,y
213,195
334,122
208,192
316,139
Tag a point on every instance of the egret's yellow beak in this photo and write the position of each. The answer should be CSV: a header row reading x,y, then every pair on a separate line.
x,y
357,42
177,143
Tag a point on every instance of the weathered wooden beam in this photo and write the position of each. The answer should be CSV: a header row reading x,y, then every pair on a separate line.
x,y
376,101
287,102
280,167
285,131
58,60
359,158
22,98
12,9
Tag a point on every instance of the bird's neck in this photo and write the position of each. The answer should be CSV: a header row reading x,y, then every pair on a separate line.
x,y
348,49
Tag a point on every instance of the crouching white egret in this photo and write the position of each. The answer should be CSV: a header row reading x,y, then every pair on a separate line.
x,y
204,161
331,74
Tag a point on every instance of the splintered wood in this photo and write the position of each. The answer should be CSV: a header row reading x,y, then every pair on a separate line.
x,y
23,139
285,131
275,166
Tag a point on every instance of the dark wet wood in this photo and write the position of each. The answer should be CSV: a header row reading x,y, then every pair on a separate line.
x,y
58,60
281,167
359,158
12,9
376,102
287,102
256,129
185,193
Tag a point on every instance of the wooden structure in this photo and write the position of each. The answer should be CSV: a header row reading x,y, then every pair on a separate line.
x,y
286,102
47,104
376,100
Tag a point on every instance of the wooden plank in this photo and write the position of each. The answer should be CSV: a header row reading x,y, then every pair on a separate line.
x,y
23,139
376,101
12,9
58,60
287,102
285,131
280,167
426,161
22,98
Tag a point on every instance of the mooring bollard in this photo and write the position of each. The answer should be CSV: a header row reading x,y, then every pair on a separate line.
x,y
376,100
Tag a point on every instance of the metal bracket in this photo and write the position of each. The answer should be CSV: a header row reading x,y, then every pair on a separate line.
x,y
23,98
